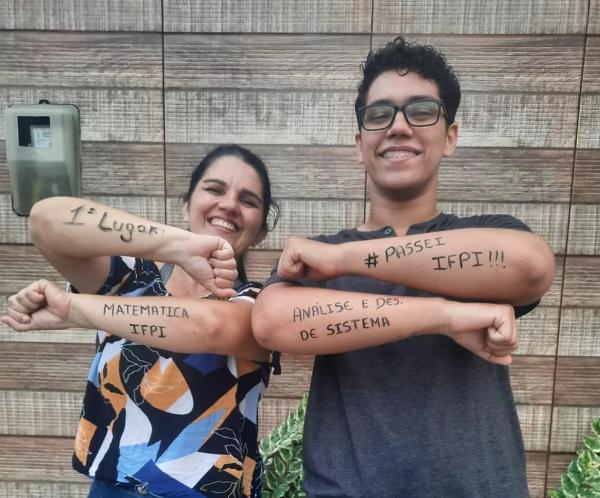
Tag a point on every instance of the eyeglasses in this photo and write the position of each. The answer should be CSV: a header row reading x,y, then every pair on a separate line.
x,y
417,113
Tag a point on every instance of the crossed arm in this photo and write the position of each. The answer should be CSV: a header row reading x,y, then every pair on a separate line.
x,y
78,236
311,320
183,325
487,264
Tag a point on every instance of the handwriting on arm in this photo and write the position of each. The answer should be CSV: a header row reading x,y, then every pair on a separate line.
x,y
393,253
144,310
344,326
469,259
148,329
107,224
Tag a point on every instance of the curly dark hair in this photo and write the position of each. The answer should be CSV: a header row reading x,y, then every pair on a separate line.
x,y
404,57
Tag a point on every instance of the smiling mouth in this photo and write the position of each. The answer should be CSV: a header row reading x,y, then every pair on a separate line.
x,y
220,222
396,155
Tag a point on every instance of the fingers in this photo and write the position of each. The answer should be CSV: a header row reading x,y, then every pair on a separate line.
x,y
505,360
221,292
225,255
225,264
25,308
15,324
290,265
223,245
501,342
227,277
22,304
288,268
502,335
27,300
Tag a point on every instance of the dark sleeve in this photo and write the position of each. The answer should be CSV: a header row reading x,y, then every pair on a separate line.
x,y
500,221
493,221
304,282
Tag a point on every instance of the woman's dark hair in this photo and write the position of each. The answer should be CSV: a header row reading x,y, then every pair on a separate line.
x,y
405,57
270,207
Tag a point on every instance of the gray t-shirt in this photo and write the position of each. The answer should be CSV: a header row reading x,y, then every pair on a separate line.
x,y
417,418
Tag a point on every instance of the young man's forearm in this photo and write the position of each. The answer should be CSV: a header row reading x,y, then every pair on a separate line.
x,y
484,264
306,320
497,265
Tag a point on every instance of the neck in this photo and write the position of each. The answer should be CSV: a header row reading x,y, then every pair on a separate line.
x,y
400,214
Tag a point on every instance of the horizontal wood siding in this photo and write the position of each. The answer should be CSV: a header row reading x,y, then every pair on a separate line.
x,y
159,84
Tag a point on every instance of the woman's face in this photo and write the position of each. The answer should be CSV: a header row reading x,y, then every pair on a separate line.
x,y
228,202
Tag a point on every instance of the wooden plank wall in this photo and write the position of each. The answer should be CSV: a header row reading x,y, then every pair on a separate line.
x,y
159,83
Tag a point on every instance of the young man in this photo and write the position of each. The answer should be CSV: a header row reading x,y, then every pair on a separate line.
x,y
410,394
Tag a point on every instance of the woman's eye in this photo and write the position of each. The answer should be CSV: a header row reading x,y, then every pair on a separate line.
x,y
249,202
213,190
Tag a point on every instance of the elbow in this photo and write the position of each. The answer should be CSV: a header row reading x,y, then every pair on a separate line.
x,y
264,325
37,221
214,333
40,226
538,273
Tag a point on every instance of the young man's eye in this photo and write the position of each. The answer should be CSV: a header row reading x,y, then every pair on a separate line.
x,y
377,114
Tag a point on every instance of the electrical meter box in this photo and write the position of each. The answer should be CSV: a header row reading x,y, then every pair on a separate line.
x,y
43,152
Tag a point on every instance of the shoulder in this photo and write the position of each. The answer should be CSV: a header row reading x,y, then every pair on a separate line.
x,y
508,221
347,235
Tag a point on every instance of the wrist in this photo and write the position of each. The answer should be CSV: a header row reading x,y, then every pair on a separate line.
x,y
75,315
448,311
177,246
343,259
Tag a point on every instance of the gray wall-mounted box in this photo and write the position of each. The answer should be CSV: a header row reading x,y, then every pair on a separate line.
x,y
43,152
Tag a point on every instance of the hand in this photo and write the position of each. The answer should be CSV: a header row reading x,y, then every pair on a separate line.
x,y
39,306
304,258
210,261
487,330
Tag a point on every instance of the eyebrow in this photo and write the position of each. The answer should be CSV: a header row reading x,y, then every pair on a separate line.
x,y
413,98
223,184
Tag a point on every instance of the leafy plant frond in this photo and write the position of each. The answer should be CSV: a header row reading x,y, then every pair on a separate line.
x,y
282,457
582,478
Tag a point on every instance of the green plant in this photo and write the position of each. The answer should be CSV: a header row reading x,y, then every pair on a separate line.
x,y
582,478
282,456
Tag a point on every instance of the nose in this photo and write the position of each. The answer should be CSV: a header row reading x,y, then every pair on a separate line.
x,y
399,126
229,202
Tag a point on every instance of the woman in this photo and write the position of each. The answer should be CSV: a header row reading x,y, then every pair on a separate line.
x,y
154,422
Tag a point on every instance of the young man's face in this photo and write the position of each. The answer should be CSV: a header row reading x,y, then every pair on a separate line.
x,y
402,160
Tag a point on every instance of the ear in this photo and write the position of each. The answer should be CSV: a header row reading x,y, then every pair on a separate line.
x,y
358,149
451,139
185,211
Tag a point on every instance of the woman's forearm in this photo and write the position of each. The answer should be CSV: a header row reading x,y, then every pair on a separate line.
x,y
79,228
183,325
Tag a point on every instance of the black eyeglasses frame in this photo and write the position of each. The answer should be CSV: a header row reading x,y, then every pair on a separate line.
x,y
361,113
